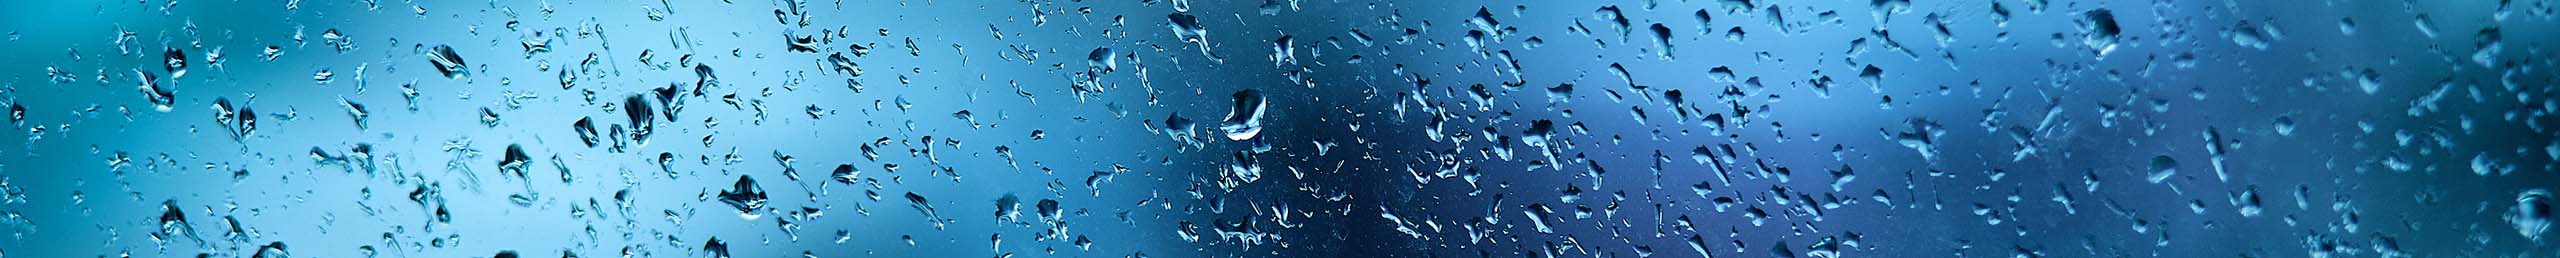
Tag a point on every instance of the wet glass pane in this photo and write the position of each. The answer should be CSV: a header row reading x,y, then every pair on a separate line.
x,y
1279,128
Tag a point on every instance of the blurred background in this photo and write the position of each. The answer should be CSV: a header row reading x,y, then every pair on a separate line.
x,y
1279,128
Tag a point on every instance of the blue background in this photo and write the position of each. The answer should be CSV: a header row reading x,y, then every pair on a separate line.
x,y
1372,101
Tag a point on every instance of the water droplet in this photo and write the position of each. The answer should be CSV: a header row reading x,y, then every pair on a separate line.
x,y
2162,167
514,162
586,129
746,196
1244,121
175,61
2532,214
447,62
2098,30
161,97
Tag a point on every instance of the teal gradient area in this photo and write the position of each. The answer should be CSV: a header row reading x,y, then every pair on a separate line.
x,y
1280,128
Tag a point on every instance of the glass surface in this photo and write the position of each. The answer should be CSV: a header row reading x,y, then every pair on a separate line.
x,y
1279,128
